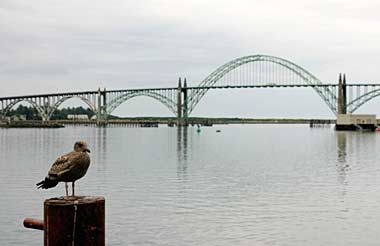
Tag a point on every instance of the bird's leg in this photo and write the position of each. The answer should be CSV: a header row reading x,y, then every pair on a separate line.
x,y
67,189
73,185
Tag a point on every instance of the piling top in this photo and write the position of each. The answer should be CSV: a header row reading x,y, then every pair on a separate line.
x,y
71,200
78,220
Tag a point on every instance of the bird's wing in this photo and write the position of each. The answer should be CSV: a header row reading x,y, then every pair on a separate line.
x,y
63,164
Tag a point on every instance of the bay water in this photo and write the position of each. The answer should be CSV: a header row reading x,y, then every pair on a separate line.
x,y
245,185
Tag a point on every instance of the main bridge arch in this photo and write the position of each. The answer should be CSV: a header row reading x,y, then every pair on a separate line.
x,y
115,100
308,78
361,99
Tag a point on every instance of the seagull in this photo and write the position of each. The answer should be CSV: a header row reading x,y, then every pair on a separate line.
x,y
68,168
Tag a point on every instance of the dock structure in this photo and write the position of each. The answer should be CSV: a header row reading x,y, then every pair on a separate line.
x,y
354,122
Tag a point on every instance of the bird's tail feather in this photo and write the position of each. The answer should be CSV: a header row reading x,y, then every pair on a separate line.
x,y
46,183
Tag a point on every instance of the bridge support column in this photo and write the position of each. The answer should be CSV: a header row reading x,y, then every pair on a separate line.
x,y
2,116
101,116
179,103
342,95
98,106
105,114
182,112
45,109
185,108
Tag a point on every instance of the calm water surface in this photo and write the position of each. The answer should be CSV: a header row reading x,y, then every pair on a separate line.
x,y
247,185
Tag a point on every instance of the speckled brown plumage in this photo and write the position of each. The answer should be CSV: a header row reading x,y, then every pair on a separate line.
x,y
68,168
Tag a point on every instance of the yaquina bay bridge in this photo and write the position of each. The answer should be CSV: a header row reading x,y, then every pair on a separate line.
x,y
256,71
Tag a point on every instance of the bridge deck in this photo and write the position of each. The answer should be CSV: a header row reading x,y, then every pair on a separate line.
x,y
80,93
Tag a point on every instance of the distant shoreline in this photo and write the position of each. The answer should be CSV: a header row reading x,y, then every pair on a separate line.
x,y
171,121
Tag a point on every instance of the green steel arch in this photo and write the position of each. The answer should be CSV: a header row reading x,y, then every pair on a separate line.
x,y
359,101
325,93
40,110
118,100
63,99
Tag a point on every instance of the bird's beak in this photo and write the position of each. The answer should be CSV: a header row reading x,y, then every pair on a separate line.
x,y
87,150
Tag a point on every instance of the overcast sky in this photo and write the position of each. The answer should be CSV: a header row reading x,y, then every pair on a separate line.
x,y
57,46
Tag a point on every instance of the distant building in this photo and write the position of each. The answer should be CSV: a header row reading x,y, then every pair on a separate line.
x,y
17,117
77,117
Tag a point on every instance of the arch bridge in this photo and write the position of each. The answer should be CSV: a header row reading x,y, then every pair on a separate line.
x,y
255,71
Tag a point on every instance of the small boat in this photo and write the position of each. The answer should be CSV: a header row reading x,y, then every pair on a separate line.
x,y
218,130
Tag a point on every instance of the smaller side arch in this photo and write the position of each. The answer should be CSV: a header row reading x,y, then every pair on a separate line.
x,y
39,109
64,99
117,101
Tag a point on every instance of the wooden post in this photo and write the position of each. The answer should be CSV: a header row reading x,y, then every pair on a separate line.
x,y
74,221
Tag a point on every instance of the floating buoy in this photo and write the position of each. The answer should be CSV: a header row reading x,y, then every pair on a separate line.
x,y
199,128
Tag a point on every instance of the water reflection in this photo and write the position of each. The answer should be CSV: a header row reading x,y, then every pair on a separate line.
x,y
182,148
101,151
342,165
342,146
101,143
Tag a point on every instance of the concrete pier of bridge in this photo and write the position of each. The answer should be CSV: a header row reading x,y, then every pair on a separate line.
x,y
182,104
101,117
342,95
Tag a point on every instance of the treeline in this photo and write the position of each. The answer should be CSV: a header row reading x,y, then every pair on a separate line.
x,y
29,112
60,114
